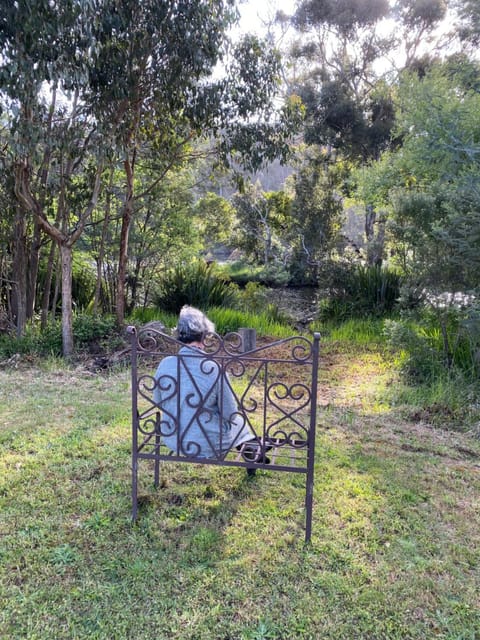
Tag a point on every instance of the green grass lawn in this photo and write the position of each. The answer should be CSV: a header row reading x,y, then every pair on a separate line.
x,y
395,550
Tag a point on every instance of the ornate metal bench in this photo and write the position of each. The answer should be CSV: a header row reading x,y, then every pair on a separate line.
x,y
275,386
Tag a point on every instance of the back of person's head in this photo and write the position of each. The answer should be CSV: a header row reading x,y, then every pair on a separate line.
x,y
193,325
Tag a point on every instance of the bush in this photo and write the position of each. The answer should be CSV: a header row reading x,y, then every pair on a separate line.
x,y
84,279
438,340
420,359
86,329
271,275
197,284
253,297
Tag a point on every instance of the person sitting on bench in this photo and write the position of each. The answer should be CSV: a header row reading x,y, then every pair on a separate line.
x,y
199,413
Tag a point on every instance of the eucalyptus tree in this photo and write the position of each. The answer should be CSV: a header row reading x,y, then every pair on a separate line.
x,y
346,59
469,24
214,220
317,213
43,57
168,98
10,306
262,222
163,233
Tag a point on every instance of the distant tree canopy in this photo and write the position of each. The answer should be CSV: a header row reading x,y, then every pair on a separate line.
x,y
430,186
347,63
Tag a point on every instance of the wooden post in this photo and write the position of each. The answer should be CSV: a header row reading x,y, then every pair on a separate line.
x,y
249,339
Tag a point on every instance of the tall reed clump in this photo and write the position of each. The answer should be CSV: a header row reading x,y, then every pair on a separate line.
x,y
362,291
198,283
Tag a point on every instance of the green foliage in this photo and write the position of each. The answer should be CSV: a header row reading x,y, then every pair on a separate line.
x,y
198,284
214,218
264,219
357,331
445,401
430,186
83,279
317,213
94,88
242,272
421,358
272,275
361,291
469,29
268,322
150,314
253,297
86,329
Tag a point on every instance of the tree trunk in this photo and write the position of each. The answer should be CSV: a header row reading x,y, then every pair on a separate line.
x,y
124,233
375,237
33,263
47,289
134,284
101,248
19,266
56,292
122,265
67,312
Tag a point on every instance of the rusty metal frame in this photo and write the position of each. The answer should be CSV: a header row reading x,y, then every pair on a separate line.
x,y
275,386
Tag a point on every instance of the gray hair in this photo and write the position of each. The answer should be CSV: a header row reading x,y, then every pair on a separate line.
x,y
193,325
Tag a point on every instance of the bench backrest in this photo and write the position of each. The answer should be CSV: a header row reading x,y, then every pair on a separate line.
x,y
274,389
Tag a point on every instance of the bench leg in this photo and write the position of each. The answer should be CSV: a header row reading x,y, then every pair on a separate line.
x,y
156,473
134,489
308,510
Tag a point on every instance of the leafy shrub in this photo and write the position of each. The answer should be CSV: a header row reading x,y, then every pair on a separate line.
x,y
86,329
437,340
272,275
253,297
84,279
420,358
242,273
198,284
